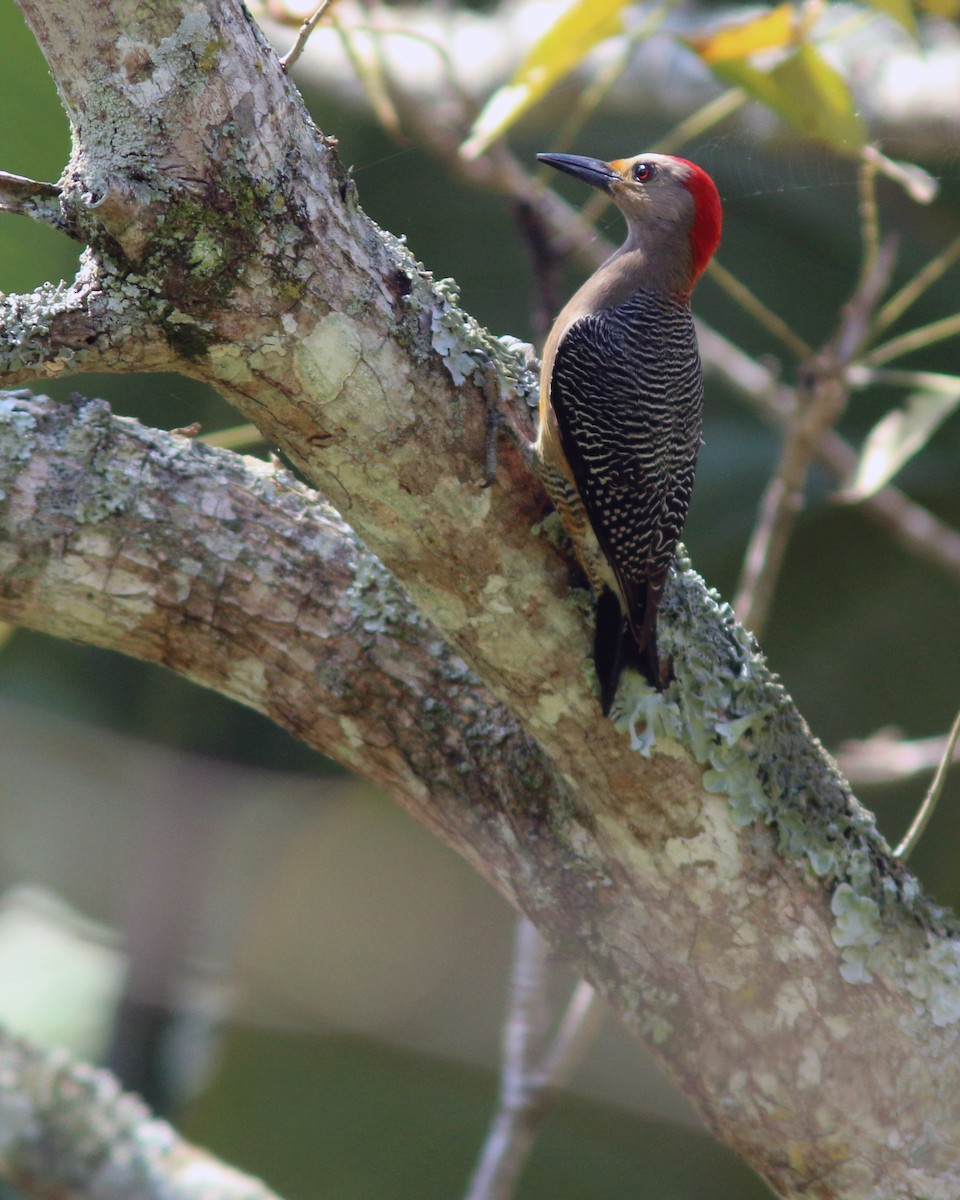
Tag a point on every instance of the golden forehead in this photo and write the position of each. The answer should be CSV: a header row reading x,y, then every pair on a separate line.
x,y
622,165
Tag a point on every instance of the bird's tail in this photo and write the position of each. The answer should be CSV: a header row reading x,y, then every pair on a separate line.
x,y
615,646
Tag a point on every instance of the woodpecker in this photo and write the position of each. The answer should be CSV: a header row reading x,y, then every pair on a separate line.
x,y
621,398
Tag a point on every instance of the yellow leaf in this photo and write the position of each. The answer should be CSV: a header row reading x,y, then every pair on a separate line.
x,y
950,9
772,31
581,26
806,91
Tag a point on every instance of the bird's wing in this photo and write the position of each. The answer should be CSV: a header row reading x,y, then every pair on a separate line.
x,y
627,392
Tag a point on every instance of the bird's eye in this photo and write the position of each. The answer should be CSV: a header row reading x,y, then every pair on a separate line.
x,y
643,172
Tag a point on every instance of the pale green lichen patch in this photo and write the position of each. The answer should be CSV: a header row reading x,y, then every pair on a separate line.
x,y
166,61
26,321
86,441
934,981
352,732
652,1018
329,355
733,716
205,254
858,918
472,505
19,427
449,340
713,844
496,593
229,363
380,605
340,360
554,706
467,348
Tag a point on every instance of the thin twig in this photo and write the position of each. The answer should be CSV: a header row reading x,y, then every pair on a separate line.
x,y
371,71
580,1025
781,503
857,318
919,184
236,437
886,757
309,25
764,316
869,218
378,26
925,812
912,526
380,30
929,381
509,1138
915,339
911,291
532,1069
31,198
697,124
819,405
545,263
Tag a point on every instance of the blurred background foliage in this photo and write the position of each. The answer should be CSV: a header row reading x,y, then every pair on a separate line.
x,y
302,978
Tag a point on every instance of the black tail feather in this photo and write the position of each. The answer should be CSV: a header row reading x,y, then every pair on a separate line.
x,y
615,647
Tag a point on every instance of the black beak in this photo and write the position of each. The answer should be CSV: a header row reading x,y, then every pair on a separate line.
x,y
591,170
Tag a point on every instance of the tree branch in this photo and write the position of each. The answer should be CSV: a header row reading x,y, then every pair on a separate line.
x,y
29,198
227,571
67,1129
721,888
88,326
219,568
534,1066
887,757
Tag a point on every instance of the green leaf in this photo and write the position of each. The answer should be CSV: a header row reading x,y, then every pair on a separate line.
x,y
806,91
896,438
900,10
583,25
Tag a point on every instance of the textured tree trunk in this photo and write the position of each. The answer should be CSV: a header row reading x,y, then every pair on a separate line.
x,y
702,864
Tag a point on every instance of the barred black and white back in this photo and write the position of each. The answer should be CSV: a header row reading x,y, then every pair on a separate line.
x,y
627,392
621,398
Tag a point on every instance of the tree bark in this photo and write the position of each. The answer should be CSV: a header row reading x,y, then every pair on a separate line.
x,y
66,1130
229,572
701,862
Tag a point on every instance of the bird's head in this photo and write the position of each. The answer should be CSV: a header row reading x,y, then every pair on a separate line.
x,y
659,194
